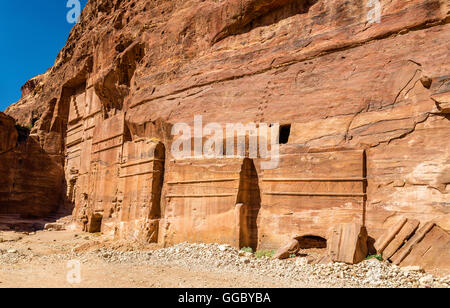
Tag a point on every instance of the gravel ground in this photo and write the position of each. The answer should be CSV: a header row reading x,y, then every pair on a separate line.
x,y
225,260
296,271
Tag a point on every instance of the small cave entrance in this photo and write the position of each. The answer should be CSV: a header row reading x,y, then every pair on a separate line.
x,y
285,133
23,133
95,225
249,199
312,242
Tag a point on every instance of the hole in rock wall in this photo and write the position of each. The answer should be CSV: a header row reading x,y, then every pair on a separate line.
x,y
23,133
127,137
250,197
285,133
95,225
312,241
33,121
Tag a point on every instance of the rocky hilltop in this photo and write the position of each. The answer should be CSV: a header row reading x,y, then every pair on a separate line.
x,y
364,109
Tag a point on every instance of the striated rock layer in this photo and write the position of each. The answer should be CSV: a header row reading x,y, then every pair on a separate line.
x,y
367,105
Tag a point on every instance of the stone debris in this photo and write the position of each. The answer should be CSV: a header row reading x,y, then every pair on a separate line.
x,y
384,240
406,245
54,227
412,269
408,229
401,254
212,258
370,273
348,243
223,247
430,253
287,250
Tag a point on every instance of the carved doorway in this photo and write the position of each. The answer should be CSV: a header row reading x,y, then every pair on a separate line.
x,y
95,225
249,205
142,175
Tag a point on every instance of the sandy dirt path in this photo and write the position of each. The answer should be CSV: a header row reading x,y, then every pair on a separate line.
x,y
44,267
71,260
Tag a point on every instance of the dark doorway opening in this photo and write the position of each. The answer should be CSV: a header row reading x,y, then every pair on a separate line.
x,y
155,214
95,225
311,241
285,133
250,197
158,181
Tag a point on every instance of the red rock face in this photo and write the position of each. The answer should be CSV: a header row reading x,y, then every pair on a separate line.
x,y
31,180
8,133
367,103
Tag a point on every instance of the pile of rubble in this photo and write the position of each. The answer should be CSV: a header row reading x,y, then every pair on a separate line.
x,y
404,244
292,272
12,256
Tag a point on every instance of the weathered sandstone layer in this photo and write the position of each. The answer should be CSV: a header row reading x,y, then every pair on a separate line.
x,y
365,109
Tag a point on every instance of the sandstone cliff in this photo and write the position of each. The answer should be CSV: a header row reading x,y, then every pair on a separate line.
x,y
8,133
367,105
31,181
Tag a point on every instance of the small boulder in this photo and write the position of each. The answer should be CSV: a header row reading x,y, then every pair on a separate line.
x,y
412,269
302,262
224,248
54,227
245,254
348,243
287,250
426,280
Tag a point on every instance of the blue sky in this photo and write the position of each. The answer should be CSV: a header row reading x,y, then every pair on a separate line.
x,y
31,35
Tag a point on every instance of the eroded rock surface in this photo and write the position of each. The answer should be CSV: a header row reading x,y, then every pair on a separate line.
x,y
31,180
8,133
367,106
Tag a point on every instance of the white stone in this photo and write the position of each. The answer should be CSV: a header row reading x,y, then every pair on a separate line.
x,y
223,247
426,280
412,269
